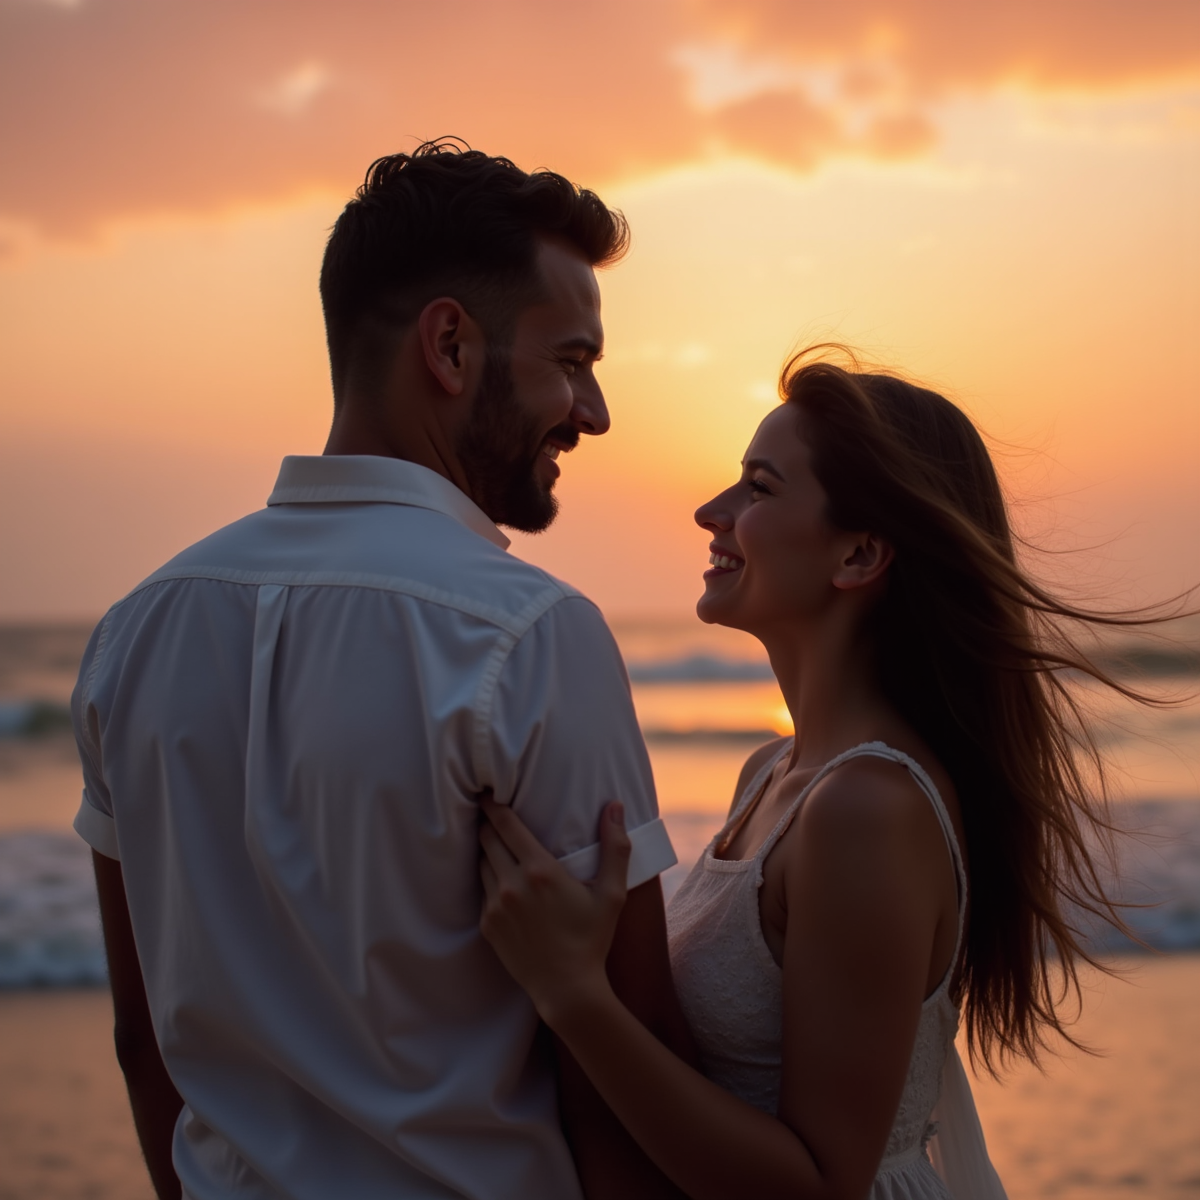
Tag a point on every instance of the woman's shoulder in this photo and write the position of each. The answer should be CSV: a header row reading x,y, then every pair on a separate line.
x,y
865,787
869,803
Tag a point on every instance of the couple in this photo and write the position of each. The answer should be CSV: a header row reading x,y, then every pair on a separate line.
x,y
298,733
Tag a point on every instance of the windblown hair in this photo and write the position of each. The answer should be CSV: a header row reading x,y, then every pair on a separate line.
x,y
976,655
448,220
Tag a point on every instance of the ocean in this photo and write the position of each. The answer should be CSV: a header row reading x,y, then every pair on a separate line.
x,y
705,698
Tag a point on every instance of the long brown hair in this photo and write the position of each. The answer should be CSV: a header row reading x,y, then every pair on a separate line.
x,y
975,655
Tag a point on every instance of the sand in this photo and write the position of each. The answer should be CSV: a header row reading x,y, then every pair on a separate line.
x,y
1119,1127
65,1128
1122,1125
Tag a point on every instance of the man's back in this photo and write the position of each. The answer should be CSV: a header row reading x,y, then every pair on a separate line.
x,y
284,732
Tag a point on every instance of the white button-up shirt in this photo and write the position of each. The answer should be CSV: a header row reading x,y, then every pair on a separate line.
x,y
284,732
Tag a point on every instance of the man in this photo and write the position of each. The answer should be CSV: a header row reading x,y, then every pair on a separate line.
x,y
285,732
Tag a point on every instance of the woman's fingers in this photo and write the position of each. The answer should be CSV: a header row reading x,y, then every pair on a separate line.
x,y
498,857
525,848
491,885
551,931
615,848
511,848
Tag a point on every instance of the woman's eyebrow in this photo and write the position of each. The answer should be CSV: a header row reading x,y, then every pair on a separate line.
x,y
763,464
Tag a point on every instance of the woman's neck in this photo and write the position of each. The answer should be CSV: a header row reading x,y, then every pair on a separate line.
x,y
828,680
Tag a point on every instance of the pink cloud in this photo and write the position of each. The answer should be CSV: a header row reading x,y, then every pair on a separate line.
x,y
115,108
940,43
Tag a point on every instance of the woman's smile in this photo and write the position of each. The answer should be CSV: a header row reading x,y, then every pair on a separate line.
x,y
722,562
769,529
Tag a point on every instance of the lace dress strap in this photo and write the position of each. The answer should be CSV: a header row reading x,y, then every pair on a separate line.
x,y
781,826
751,791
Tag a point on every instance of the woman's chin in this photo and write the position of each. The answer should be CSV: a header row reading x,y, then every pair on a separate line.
x,y
713,610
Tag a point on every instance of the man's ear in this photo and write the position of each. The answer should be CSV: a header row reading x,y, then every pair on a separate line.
x,y
867,557
452,344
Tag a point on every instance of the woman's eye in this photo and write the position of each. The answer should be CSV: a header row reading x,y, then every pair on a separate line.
x,y
757,487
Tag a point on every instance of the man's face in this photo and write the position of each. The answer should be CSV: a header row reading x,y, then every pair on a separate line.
x,y
535,401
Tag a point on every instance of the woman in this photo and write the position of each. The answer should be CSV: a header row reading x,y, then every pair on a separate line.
x,y
913,853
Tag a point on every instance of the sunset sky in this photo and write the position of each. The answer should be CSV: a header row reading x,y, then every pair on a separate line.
x,y
1002,201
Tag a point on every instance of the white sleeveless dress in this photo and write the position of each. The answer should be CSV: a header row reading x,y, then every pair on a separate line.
x,y
731,990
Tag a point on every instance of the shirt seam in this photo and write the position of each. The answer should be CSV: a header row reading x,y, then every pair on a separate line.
x,y
353,579
485,696
89,680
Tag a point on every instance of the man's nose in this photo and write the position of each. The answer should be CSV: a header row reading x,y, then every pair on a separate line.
x,y
590,413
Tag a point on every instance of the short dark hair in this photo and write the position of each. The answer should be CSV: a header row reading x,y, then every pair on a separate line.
x,y
448,220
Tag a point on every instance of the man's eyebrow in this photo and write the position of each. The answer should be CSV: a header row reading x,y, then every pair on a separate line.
x,y
589,345
763,464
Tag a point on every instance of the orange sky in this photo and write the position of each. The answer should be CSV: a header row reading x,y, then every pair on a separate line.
x,y
1001,200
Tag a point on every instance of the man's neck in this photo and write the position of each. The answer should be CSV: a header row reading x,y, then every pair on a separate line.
x,y
426,446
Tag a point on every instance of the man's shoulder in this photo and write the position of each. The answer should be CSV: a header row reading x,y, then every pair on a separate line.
x,y
421,553
231,544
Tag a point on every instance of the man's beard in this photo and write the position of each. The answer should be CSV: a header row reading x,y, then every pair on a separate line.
x,y
499,451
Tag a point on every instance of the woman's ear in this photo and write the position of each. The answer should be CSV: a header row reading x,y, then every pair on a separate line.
x,y
866,559
452,344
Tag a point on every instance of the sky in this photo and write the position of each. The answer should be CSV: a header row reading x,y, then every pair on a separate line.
x,y
1000,201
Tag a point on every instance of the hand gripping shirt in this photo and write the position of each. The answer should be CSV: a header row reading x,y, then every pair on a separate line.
x,y
284,733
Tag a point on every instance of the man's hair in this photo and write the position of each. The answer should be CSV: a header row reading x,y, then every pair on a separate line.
x,y
447,220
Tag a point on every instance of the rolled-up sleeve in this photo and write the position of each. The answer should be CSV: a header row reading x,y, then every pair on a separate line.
x,y
565,741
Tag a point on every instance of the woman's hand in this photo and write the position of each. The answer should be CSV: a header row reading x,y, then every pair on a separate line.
x,y
552,932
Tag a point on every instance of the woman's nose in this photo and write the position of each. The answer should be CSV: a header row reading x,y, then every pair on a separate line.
x,y
716,515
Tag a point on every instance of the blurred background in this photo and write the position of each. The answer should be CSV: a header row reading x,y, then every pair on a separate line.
x,y
1000,201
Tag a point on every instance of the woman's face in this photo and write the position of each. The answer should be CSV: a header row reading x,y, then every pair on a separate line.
x,y
775,556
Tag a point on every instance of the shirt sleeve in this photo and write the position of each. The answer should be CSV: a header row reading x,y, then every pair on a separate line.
x,y
564,742
94,821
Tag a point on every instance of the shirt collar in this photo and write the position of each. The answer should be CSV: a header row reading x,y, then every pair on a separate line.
x,y
368,478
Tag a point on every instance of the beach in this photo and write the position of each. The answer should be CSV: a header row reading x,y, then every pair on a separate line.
x,y
1118,1126
65,1128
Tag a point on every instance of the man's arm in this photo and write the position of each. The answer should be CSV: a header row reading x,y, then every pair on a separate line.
x,y
565,743
611,1165
155,1102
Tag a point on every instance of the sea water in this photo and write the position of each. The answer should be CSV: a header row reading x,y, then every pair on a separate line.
x,y
705,699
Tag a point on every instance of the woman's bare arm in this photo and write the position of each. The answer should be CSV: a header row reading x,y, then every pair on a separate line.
x,y
867,880
854,977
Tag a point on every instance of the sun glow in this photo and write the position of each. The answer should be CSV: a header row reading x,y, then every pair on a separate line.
x,y
1034,255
